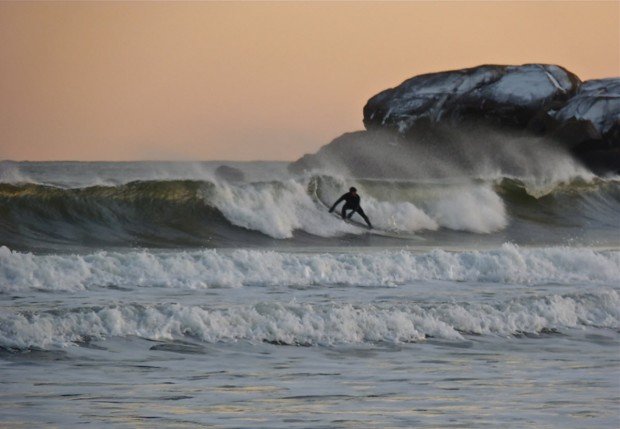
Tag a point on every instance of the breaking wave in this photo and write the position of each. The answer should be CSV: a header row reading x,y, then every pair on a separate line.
x,y
215,268
214,214
310,324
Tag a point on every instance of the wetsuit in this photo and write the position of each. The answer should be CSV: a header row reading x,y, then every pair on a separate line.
x,y
352,202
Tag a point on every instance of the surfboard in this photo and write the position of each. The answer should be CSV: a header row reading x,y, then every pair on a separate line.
x,y
351,221
374,231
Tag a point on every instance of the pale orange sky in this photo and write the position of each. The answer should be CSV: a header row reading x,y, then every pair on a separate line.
x,y
253,81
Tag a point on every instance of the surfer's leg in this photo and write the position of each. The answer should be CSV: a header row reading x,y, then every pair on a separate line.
x,y
346,207
363,215
344,212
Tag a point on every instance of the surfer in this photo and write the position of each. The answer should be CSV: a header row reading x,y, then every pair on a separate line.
x,y
352,202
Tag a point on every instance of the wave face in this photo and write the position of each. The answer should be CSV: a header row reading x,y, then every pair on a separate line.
x,y
70,206
182,213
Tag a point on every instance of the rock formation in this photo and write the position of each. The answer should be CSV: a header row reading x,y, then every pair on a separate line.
x,y
229,174
539,101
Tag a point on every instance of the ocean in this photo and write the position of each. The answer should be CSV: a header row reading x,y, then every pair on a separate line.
x,y
159,294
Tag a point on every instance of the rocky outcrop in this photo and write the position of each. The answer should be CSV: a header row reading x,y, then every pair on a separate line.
x,y
597,103
229,174
589,124
535,99
449,112
505,96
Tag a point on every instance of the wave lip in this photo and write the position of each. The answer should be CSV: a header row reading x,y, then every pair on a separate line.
x,y
311,324
509,264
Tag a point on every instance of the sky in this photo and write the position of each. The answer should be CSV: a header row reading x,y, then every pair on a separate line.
x,y
254,80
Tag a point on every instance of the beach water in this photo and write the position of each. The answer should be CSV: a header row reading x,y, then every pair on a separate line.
x,y
157,294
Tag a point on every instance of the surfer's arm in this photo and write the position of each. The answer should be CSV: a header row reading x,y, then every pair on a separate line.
x,y
337,202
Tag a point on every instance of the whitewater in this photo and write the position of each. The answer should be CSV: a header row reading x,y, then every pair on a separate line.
x,y
164,294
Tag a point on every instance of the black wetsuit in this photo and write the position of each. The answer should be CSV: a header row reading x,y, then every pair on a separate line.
x,y
352,202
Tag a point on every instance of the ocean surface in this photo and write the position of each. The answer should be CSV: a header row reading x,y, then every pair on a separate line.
x,y
157,294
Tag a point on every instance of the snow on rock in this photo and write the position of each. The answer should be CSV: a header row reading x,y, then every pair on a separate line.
x,y
537,99
589,125
597,101
501,95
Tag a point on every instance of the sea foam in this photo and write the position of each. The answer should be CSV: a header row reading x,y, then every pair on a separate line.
x,y
242,267
311,324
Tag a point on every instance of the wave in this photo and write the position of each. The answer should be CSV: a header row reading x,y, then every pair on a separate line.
x,y
216,214
486,205
215,268
310,324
